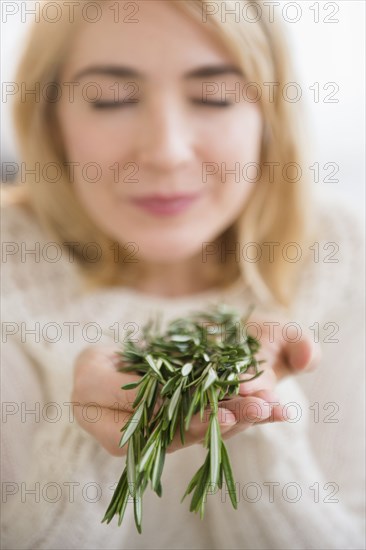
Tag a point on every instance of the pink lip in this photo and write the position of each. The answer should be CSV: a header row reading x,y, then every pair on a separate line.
x,y
165,205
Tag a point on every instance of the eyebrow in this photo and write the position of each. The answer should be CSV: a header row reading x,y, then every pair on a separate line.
x,y
214,70
126,72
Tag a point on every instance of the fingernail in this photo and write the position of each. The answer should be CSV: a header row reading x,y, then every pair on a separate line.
x,y
226,417
259,411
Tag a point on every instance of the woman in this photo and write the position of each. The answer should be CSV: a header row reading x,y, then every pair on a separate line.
x,y
157,190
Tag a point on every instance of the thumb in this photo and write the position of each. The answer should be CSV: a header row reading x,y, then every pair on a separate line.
x,y
303,355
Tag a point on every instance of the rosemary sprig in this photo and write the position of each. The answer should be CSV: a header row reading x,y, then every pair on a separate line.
x,y
194,365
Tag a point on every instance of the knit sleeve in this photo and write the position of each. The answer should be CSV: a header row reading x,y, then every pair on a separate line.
x,y
22,387
22,400
334,314
37,274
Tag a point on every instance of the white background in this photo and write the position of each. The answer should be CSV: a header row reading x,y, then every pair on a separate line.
x,y
323,52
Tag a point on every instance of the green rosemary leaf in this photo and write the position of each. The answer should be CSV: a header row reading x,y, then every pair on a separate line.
x,y
154,367
203,403
146,456
122,507
159,490
199,492
215,449
169,386
181,424
174,401
131,386
200,360
211,378
202,505
192,484
132,425
115,500
187,369
152,393
180,338
174,420
137,502
123,499
198,381
168,365
131,466
152,406
143,483
229,476
145,417
221,474
192,409
158,468
213,400
165,421
141,393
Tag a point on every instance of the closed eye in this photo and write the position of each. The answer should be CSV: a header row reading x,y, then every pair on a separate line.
x,y
117,104
212,103
113,104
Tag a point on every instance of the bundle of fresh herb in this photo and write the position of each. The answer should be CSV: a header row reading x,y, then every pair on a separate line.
x,y
196,363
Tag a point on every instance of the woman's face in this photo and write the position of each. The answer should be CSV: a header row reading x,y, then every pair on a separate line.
x,y
136,121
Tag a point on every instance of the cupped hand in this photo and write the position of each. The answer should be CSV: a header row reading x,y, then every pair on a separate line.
x,y
286,349
98,382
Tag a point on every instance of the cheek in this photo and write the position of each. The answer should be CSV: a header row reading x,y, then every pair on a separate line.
x,y
235,169
242,139
93,137
99,165
228,201
85,143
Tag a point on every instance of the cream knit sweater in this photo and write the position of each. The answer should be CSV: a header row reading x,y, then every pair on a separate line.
x,y
300,483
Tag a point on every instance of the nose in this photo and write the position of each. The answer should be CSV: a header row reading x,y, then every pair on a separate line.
x,y
166,140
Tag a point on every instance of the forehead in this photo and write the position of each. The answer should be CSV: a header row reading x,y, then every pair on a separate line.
x,y
155,37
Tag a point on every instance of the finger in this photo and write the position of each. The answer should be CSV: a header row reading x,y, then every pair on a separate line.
x,y
279,413
303,355
266,381
285,354
198,428
248,412
96,379
104,425
247,409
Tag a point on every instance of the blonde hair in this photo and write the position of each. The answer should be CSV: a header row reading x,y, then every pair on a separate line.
x,y
277,210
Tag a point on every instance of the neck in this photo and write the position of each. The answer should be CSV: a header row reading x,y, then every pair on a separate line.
x,y
183,278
